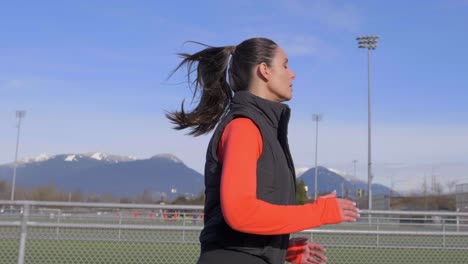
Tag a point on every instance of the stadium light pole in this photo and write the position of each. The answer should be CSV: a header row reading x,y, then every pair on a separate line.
x,y
19,115
354,162
370,43
316,118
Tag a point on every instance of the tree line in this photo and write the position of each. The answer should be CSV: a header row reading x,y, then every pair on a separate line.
x,y
432,199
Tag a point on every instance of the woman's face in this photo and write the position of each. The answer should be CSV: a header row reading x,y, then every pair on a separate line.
x,y
279,84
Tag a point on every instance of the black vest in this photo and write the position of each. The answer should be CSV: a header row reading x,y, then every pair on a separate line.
x,y
276,179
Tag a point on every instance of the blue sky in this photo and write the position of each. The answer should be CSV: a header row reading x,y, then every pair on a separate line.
x,y
92,76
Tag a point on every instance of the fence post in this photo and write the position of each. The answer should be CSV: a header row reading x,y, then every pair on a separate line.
x,y
120,224
378,228
183,231
24,232
59,214
443,232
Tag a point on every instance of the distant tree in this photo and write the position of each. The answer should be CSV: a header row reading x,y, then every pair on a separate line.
x,y
438,188
147,196
22,193
4,190
125,200
93,198
200,199
301,193
451,185
108,198
77,196
46,193
424,190
181,199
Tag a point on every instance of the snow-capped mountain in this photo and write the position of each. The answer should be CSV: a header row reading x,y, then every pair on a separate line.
x,y
167,156
345,175
300,171
40,158
71,158
331,179
108,157
74,158
99,173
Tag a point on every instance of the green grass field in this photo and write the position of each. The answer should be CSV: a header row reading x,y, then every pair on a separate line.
x,y
98,245
51,252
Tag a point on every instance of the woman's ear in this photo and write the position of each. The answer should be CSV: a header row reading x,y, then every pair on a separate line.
x,y
263,71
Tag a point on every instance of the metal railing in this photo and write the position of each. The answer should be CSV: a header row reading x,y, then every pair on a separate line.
x,y
61,232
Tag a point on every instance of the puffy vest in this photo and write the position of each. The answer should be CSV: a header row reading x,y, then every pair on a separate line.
x,y
276,179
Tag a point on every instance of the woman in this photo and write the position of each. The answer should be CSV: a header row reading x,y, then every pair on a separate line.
x,y
250,179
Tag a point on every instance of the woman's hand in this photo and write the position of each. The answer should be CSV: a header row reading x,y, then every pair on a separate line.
x,y
349,211
300,251
313,254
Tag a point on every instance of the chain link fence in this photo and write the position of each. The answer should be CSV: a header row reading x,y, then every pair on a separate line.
x,y
56,232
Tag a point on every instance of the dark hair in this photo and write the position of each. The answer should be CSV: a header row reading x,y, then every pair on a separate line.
x,y
211,72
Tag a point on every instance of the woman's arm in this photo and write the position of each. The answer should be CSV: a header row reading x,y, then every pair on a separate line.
x,y
239,149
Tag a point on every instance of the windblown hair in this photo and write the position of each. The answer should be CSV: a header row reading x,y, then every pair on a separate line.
x,y
213,68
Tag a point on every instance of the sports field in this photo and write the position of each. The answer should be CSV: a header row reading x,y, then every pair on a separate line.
x,y
112,238
49,252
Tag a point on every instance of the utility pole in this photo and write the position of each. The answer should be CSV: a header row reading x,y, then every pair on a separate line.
x,y
316,118
19,114
355,161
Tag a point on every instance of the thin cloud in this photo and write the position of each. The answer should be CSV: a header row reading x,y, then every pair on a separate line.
x,y
296,44
305,45
11,84
344,17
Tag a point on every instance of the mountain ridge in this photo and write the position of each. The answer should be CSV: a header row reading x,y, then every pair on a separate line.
x,y
162,174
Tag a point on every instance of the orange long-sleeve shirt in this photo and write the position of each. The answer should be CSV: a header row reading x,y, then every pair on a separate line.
x,y
239,149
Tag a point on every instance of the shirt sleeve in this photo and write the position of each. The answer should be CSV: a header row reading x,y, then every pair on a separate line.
x,y
239,149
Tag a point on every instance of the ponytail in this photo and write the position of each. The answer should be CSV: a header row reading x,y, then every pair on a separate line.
x,y
210,82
